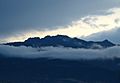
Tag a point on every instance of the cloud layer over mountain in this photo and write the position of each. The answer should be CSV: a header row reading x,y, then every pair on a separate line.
x,y
59,52
112,35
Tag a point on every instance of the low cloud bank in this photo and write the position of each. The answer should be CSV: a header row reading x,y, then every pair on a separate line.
x,y
59,52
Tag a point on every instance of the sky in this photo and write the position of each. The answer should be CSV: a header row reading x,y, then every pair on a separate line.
x,y
87,19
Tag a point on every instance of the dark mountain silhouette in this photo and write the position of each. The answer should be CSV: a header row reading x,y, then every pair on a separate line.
x,y
62,40
47,70
43,70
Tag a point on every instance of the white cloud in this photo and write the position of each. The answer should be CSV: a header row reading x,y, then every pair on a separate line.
x,y
112,35
60,53
84,27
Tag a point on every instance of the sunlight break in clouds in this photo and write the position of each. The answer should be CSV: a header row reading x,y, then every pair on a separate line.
x,y
84,27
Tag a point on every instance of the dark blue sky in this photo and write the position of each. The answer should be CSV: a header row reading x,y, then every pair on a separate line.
x,y
21,15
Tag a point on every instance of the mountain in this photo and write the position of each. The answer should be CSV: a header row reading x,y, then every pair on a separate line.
x,y
43,70
62,40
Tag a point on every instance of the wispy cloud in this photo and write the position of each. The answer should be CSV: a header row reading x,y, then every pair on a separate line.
x,y
84,27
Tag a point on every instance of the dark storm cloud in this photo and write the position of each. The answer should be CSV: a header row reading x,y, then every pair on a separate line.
x,y
60,53
22,15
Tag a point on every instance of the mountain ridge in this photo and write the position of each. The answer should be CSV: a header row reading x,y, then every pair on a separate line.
x,y
62,40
